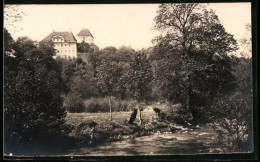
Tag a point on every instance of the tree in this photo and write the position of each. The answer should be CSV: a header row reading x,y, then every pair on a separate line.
x,y
124,50
108,75
86,47
83,82
12,15
32,103
190,26
10,65
109,50
137,79
246,42
197,45
31,109
83,47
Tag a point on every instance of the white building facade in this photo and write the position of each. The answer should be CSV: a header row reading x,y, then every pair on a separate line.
x,y
65,44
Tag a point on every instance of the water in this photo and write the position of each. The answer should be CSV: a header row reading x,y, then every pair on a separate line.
x,y
185,141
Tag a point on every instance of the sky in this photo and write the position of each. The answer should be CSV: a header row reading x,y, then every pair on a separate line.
x,y
115,24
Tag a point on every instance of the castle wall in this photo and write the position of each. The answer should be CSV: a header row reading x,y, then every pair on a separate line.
x,y
87,39
65,49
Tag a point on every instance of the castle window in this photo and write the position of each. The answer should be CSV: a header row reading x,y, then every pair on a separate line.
x,y
65,51
61,45
83,38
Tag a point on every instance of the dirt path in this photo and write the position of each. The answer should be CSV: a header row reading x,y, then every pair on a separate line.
x,y
185,141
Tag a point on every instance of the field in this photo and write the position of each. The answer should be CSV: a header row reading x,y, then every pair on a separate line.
x,y
97,127
100,118
104,118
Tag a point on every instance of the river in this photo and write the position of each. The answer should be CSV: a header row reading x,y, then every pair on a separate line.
x,y
186,141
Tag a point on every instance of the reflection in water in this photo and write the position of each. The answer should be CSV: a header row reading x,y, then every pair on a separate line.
x,y
182,142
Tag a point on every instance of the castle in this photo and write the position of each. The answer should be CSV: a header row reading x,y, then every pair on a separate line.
x,y
66,44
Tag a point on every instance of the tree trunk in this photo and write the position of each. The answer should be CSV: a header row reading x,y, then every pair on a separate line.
x,y
140,116
110,108
190,107
188,102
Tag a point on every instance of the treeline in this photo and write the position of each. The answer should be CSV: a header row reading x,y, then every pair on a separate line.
x,y
122,74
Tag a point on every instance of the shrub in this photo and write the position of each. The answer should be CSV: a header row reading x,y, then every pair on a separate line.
x,y
31,109
85,129
96,105
233,133
126,105
73,103
233,121
102,105
176,113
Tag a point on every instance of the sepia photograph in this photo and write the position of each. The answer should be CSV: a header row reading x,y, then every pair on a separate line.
x,y
127,79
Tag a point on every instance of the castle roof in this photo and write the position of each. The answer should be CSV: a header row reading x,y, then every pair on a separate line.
x,y
68,36
85,32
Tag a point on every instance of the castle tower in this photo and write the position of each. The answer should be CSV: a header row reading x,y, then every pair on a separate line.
x,y
86,36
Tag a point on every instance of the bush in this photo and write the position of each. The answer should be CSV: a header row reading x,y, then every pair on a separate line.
x,y
84,129
31,109
73,103
176,113
96,105
102,105
233,121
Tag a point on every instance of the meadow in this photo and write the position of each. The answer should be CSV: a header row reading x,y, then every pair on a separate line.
x,y
97,127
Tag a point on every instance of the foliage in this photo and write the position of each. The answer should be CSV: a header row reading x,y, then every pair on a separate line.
x,y
233,122
31,108
233,113
83,47
101,105
8,42
175,113
78,77
12,15
109,50
246,42
191,58
107,76
10,64
73,103
191,26
137,79
83,82
32,103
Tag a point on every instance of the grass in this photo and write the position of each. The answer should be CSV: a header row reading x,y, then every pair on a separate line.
x,y
99,118
97,127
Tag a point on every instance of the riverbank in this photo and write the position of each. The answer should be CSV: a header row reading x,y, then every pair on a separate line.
x,y
93,129
96,128
198,140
